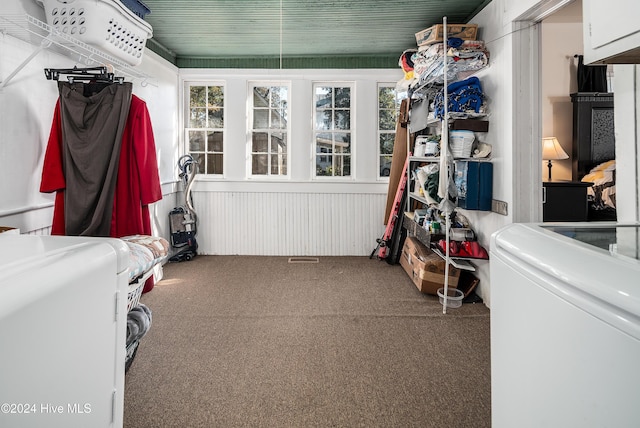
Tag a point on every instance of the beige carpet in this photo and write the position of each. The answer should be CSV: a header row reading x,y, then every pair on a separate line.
x,y
347,342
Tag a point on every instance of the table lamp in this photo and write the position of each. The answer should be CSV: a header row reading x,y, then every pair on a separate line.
x,y
551,150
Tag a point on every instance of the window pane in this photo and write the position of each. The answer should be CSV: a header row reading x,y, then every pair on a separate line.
x,y
387,98
260,119
323,119
197,118
386,143
197,96
343,97
388,106
343,119
269,149
214,164
260,97
324,142
205,124
200,160
214,142
216,118
324,165
216,96
342,143
279,164
385,166
279,96
342,166
278,142
259,164
387,120
260,142
324,97
196,141
277,122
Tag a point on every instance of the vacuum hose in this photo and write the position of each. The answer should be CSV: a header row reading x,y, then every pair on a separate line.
x,y
188,170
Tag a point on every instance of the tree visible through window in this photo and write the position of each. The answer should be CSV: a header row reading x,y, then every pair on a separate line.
x,y
388,107
332,130
269,140
205,128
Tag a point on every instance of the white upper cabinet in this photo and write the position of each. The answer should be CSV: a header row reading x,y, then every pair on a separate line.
x,y
611,31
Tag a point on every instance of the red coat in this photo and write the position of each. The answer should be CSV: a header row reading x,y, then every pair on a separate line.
x,y
138,182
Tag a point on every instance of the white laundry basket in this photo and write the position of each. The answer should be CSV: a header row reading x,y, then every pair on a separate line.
x,y
107,25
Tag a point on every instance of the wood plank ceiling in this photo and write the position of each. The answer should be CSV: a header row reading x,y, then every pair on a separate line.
x,y
295,33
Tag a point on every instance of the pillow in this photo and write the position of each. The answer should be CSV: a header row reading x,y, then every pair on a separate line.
x,y
158,246
144,252
141,259
601,173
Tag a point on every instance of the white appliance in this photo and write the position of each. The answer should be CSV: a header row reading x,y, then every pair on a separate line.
x,y
565,325
62,331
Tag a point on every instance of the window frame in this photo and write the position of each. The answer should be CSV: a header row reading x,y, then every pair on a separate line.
x,y
351,131
251,85
188,84
379,131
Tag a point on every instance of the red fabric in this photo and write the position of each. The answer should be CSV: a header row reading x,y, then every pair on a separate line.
x,y
138,183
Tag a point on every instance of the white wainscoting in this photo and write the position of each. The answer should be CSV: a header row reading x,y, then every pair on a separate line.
x,y
288,223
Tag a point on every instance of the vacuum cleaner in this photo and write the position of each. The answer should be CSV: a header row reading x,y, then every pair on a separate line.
x,y
183,221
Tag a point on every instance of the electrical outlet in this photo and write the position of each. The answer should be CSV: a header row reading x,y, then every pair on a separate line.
x,y
499,207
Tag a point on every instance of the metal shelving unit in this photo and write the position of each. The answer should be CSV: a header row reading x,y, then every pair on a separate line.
x,y
44,37
446,165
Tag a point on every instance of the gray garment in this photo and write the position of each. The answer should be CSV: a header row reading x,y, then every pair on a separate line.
x,y
92,129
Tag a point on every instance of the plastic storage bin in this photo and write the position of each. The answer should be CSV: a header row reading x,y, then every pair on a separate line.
x,y
107,25
137,7
461,143
454,297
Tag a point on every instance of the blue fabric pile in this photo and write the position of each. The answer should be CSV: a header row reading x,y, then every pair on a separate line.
x,y
464,96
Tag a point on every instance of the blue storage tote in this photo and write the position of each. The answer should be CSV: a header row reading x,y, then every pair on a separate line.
x,y
474,182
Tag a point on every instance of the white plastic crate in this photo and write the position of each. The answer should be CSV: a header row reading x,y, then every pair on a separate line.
x,y
107,25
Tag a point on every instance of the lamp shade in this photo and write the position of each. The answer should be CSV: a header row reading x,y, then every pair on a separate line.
x,y
551,149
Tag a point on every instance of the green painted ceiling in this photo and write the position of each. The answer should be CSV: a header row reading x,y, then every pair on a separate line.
x,y
295,33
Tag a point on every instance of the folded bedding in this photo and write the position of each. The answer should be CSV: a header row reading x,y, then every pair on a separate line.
x,y
603,191
144,253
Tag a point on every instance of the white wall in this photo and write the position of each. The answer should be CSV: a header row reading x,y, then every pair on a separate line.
x,y
561,40
26,110
627,129
299,214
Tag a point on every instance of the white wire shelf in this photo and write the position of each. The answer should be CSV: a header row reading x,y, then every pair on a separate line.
x,y
31,30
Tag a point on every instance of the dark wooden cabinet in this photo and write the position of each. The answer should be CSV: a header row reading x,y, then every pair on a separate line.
x,y
565,201
593,131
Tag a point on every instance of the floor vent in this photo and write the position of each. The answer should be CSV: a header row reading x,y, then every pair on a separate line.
x,y
304,260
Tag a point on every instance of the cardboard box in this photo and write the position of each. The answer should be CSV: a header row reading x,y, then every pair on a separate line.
x,y
435,34
426,268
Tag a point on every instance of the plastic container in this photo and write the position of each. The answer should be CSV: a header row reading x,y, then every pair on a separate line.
x,y
137,7
133,294
454,297
107,25
461,143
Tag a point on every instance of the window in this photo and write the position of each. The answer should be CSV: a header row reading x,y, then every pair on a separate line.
x,y
332,130
388,107
205,127
269,130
